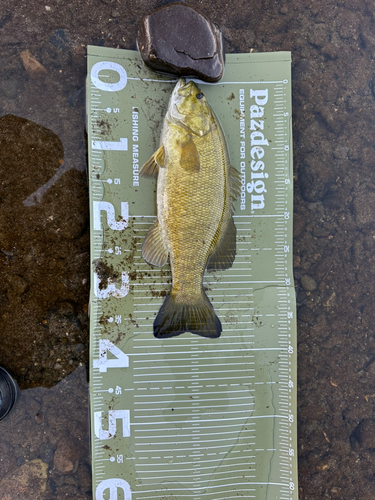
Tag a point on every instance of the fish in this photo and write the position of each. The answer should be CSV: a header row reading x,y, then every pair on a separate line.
x,y
194,228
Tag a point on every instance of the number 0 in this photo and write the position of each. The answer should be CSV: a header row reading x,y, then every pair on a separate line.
x,y
112,66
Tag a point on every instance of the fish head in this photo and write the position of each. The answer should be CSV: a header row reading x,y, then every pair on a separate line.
x,y
188,107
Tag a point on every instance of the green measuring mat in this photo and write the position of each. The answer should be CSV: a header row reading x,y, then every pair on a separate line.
x,y
190,417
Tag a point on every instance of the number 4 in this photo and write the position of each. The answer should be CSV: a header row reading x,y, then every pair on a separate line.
x,y
121,359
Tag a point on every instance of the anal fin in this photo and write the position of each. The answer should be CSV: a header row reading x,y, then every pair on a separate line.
x,y
223,256
153,249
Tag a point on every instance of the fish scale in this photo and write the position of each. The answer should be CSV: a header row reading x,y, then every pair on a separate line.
x,y
201,191
190,417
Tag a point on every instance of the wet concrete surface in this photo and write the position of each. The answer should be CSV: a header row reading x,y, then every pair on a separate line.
x,y
44,238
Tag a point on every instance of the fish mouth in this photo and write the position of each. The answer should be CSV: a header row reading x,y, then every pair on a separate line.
x,y
180,83
181,91
185,89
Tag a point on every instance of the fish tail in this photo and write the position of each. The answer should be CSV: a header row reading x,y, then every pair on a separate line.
x,y
175,318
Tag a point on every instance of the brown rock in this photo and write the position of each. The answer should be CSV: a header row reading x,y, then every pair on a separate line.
x,y
178,39
28,481
323,465
33,67
308,283
67,455
18,284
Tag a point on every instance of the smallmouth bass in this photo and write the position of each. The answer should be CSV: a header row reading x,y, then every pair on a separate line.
x,y
196,188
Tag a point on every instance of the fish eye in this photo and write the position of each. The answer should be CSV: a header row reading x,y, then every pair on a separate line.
x,y
199,96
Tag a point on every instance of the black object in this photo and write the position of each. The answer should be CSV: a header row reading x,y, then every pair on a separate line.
x,y
178,39
9,392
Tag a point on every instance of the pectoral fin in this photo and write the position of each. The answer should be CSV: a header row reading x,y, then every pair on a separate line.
x,y
189,157
153,249
151,167
223,256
